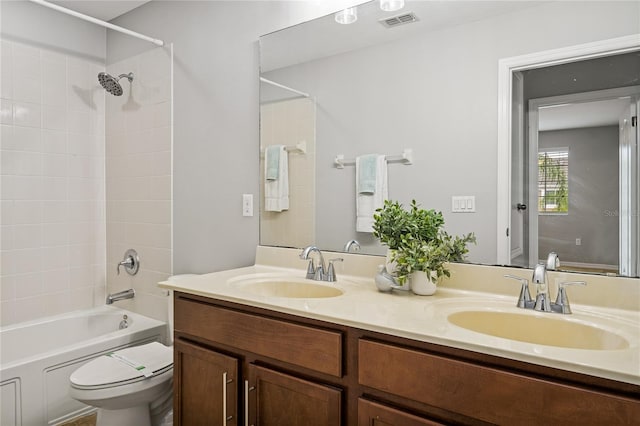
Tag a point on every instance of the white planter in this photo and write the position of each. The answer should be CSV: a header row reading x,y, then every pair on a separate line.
x,y
421,284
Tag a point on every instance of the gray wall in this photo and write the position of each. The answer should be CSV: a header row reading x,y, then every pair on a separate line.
x,y
593,197
27,22
216,118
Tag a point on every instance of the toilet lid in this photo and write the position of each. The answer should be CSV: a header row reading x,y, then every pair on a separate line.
x,y
124,366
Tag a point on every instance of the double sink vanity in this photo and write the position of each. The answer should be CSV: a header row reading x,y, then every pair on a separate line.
x,y
265,345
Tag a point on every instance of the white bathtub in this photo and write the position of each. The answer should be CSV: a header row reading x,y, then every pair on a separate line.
x,y
37,358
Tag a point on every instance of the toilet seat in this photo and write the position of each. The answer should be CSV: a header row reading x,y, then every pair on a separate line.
x,y
124,367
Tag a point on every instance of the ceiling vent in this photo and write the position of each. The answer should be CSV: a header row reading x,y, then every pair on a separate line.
x,y
395,21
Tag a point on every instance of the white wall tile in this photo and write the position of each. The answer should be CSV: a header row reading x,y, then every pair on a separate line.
x,y
55,211
26,261
79,122
26,89
27,212
52,183
55,234
54,81
27,236
7,288
81,277
6,137
56,280
28,285
54,141
6,70
6,111
54,188
55,165
55,257
21,163
6,237
27,114
54,118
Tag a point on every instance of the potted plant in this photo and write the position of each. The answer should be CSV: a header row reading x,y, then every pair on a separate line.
x,y
419,247
390,223
423,263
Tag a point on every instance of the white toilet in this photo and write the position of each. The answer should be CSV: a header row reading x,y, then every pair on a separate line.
x,y
132,386
125,393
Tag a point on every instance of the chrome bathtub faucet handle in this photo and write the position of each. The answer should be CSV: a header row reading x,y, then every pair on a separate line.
x,y
524,299
562,301
131,262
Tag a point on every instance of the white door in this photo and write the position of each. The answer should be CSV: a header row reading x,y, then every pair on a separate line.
x,y
628,209
518,202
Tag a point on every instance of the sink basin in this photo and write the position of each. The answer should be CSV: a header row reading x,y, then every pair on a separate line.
x,y
289,288
544,329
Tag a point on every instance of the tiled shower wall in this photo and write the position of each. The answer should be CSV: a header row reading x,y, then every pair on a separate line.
x,y
52,183
138,168
289,123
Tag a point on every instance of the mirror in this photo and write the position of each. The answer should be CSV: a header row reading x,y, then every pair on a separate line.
x,y
381,85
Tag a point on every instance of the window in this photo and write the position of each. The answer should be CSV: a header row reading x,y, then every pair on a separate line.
x,y
553,182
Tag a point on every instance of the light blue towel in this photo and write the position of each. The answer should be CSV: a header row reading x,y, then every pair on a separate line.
x,y
272,157
367,170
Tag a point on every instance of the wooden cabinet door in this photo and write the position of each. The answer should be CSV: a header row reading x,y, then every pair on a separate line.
x,y
205,387
277,399
374,414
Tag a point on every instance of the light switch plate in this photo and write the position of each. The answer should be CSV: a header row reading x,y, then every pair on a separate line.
x,y
463,203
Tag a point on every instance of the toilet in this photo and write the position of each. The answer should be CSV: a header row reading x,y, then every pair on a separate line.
x,y
131,386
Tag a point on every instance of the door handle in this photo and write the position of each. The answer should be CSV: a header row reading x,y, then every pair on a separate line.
x,y
521,206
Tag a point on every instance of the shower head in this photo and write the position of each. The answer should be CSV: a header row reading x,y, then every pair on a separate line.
x,y
111,84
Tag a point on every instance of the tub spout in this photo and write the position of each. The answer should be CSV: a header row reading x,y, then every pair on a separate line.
x,y
125,294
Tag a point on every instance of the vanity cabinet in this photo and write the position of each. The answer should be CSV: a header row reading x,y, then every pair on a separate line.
x,y
253,369
371,413
284,369
277,399
205,386
483,393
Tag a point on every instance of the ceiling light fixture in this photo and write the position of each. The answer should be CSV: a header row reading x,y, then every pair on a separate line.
x,y
347,16
391,5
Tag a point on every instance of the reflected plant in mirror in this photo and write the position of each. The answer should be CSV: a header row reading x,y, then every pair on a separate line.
x,y
431,85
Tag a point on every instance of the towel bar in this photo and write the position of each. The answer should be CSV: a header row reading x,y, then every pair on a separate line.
x,y
406,158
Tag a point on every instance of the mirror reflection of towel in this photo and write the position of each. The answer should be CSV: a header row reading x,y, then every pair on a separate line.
x,y
276,190
272,159
368,202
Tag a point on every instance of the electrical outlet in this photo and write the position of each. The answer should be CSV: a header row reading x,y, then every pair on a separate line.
x,y
578,241
247,204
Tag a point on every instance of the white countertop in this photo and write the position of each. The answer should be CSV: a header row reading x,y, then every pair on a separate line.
x,y
424,318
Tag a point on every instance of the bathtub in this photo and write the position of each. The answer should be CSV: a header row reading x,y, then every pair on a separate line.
x,y
37,358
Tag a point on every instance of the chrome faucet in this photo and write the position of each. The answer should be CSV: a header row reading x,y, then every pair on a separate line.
x,y
542,288
121,295
319,273
351,244
313,272
540,279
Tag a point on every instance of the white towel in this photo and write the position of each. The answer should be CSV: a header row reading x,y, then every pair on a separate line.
x,y
367,203
276,192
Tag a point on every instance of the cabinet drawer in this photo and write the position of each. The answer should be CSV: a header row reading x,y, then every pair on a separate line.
x,y
375,414
486,393
312,348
